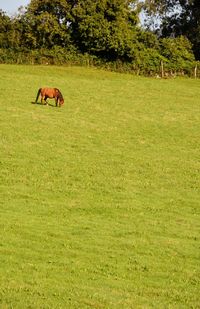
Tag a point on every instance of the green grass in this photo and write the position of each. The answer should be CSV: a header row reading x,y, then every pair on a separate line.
x,y
100,198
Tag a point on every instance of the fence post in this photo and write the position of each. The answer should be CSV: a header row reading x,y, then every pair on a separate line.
x,y
195,71
162,69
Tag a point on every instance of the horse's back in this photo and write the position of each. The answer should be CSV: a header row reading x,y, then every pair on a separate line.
x,y
48,92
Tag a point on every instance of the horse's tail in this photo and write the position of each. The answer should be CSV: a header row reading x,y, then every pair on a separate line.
x,y
39,91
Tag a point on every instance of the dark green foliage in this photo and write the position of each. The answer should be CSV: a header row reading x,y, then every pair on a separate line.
x,y
177,51
104,28
5,27
103,33
9,31
46,24
178,17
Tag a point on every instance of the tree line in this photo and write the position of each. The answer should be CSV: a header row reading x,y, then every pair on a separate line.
x,y
105,33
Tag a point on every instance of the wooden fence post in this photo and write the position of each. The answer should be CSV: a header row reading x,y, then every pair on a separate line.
x,y
195,71
162,69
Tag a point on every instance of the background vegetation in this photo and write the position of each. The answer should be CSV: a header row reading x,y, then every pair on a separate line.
x,y
100,198
104,33
176,17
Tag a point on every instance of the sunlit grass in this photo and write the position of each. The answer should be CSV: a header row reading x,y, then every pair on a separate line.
x,y
99,198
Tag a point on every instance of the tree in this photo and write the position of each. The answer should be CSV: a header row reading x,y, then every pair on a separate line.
x,y
103,27
178,17
10,31
46,24
178,53
5,28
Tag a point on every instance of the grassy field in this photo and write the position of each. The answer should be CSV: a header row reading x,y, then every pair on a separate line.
x,y
99,199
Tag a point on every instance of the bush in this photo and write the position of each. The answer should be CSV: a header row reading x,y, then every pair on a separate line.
x,y
178,55
177,59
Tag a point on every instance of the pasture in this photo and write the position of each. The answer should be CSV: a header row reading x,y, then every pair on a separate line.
x,y
99,199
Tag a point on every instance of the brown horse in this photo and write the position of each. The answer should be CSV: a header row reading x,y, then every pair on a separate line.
x,y
50,93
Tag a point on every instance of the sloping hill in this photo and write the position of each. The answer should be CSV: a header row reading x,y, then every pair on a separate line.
x,y
99,198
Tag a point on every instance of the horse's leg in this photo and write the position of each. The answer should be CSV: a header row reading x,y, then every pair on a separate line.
x,y
56,101
42,99
45,99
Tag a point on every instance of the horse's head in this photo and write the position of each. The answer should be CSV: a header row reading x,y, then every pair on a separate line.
x,y
61,102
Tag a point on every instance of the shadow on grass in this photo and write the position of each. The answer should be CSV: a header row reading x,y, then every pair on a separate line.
x,y
41,104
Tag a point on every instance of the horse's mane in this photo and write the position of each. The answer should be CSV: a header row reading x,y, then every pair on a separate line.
x,y
59,94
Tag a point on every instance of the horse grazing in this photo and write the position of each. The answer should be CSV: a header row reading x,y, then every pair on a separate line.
x,y
50,93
